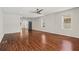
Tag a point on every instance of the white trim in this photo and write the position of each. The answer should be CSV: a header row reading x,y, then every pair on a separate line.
x,y
1,37
12,32
58,33
62,25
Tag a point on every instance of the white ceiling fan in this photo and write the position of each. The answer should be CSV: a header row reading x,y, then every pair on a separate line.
x,y
38,11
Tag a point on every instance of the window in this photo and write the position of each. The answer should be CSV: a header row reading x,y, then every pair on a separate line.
x,y
66,22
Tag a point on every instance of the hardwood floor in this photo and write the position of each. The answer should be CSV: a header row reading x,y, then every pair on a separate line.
x,y
38,41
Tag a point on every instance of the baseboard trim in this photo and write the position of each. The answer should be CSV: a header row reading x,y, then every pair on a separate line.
x,y
57,34
1,37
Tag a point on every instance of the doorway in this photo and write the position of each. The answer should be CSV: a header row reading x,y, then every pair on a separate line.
x,y
30,25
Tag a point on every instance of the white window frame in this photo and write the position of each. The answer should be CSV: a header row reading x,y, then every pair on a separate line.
x,y
63,23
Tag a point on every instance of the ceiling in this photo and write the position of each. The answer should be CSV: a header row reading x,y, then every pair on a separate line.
x,y
28,10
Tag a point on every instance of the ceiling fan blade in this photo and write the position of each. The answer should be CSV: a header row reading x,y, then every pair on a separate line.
x,y
39,11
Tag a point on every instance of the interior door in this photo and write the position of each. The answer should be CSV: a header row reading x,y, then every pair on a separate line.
x,y
30,25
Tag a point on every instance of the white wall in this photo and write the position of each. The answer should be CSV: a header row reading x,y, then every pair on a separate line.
x,y
53,23
36,24
1,25
11,23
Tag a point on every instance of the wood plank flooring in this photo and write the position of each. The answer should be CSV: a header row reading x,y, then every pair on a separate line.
x,y
38,41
